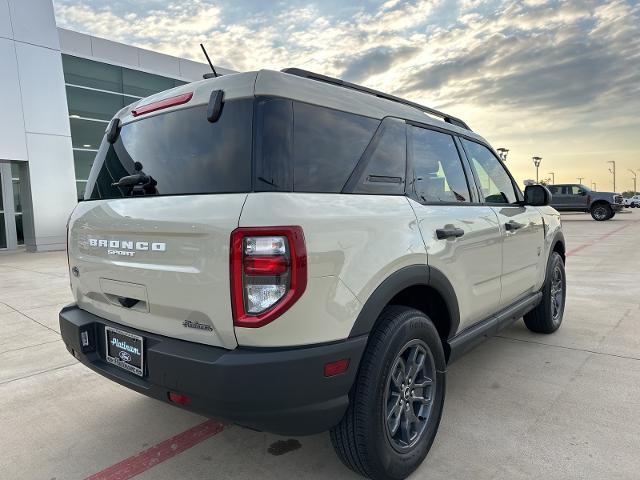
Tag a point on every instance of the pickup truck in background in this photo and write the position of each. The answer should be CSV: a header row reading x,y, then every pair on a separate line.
x,y
579,198
632,202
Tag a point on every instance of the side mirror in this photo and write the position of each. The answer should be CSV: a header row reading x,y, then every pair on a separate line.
x,y
537,195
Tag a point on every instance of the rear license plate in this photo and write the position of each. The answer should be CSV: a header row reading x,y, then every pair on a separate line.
x,y
124,350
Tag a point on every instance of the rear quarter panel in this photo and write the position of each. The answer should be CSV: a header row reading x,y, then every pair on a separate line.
x,y
353,243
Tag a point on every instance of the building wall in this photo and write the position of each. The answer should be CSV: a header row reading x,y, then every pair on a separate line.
x,y
34,126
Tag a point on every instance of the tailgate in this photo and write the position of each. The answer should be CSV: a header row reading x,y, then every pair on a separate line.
x,y
159,264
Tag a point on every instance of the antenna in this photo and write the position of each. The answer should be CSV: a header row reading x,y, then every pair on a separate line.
x,y
215,74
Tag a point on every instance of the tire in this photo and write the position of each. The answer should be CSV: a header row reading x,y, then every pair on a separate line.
x,y
601,212
364,439
547,316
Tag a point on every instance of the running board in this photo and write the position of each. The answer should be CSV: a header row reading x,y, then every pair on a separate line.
x,y
470,337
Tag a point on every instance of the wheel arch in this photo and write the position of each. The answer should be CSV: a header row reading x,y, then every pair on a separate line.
x,y
600,201
558,245
421,287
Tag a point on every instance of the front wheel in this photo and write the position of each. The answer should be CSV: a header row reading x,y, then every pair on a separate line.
x,y
601,212
547,316
397,399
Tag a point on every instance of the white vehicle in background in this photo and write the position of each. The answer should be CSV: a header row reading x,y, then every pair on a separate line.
x,y
633,202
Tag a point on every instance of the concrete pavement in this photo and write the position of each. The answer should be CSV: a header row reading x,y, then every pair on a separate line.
x,y
521,405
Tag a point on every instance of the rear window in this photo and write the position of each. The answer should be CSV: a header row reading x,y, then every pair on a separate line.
x,y
182,151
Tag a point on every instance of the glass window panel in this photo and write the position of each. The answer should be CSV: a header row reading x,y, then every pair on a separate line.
x,y
80,71
438,172
3,232
181,151
86,133
83,161
495,183
93,104
17,203
386,167
1,205
327,146
15,170
80,188
19,230
144,84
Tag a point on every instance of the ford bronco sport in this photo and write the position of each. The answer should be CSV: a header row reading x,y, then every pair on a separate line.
x,y
579,198
293,253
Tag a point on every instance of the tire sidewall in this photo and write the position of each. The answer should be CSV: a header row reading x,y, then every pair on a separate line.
x,y
607,208
413,324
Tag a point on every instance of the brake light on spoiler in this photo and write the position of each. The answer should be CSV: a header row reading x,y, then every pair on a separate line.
x,y
159,105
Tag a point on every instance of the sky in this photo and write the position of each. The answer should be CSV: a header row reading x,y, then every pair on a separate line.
x,y
555,79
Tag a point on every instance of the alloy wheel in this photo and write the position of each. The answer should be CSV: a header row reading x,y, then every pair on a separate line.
x,y
557,294
409,395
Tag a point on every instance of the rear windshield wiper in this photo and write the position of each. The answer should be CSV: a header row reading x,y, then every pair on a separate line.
x,y
141,184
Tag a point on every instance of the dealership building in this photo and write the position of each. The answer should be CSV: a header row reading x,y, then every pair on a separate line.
x,y
58,91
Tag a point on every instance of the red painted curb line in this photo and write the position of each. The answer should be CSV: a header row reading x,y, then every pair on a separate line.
x,y
600,238
143,461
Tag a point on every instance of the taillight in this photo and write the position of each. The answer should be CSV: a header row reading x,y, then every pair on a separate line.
x,y
268,273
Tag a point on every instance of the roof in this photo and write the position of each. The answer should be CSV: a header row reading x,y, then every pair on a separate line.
x,y
294,87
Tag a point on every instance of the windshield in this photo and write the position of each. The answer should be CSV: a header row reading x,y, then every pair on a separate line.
x,y
179,153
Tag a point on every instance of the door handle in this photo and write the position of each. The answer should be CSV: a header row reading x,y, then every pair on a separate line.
x,y
512,226
443,233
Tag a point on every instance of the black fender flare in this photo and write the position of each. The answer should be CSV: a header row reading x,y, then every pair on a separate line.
x,y
406,277
558,237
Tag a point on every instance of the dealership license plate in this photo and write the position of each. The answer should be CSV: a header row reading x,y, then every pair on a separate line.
x,y
124,350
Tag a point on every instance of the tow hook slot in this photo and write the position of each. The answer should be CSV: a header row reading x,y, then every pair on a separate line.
x,y
127,302
124,294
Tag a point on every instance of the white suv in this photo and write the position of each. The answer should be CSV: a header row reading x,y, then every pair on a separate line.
x,y
293,253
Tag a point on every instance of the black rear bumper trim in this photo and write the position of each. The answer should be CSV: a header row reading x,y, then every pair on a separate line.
x,y
282,391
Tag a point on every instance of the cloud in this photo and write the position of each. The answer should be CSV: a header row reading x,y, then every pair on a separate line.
x,y
374,61
519,69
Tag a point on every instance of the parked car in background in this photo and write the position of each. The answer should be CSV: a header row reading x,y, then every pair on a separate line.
x,y
579,198
632,202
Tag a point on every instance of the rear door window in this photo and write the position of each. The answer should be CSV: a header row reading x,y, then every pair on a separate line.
x,y
382,169
182,151
438,175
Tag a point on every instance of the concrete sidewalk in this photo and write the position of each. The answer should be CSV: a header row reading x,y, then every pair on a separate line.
x,y
521,405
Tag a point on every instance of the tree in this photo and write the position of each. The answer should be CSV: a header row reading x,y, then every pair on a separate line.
x,y
545,181
628,194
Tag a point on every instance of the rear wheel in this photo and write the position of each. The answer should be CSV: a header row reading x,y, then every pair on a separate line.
x,y
601,211
396,402
547,316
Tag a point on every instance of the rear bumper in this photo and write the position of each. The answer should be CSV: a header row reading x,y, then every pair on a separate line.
x,y
282,391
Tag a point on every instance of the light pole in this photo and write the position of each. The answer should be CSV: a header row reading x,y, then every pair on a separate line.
x,y
580,180
593,185
503,153
613,171
553,178
635,178
536,162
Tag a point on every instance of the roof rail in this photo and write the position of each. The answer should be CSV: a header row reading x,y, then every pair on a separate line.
x,y
341,83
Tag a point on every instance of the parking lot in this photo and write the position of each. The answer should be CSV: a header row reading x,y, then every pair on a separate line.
x,y
519,406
